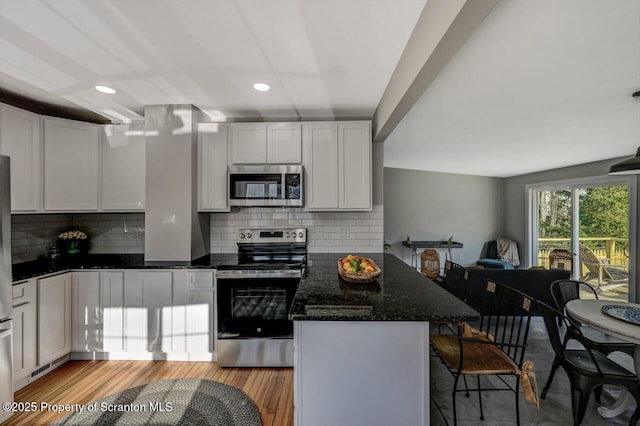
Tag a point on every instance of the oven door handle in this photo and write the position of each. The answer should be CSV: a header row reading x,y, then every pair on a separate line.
x,y
242,274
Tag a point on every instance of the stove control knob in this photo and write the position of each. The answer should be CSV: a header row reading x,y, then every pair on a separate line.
x,y
300,234
286,235
241,235
248,234
259,330
293,235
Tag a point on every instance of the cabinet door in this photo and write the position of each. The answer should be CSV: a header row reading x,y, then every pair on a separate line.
x,y
86,318
212,167
248,143
20,140
54,317
148,311
70,165
284,143
123,167
199,295
354,160
24,329
320,160
112,307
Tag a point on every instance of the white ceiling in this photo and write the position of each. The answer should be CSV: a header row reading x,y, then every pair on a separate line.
x,y
323,59
540,84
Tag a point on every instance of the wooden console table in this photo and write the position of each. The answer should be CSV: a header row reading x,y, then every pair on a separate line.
x,y
421,245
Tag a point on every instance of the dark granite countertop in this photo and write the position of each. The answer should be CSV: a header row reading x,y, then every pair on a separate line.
x,y
399,294
25,270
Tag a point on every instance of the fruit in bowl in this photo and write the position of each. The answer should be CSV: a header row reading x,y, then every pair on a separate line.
x,y
353,268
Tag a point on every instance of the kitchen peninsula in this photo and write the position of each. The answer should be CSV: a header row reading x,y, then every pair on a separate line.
x,y
363,349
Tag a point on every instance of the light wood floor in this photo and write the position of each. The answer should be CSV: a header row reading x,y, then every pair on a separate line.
x,y
80,382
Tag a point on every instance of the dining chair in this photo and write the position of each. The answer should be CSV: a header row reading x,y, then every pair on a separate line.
x,y
455,282
586,368
562,292
495,348
455,279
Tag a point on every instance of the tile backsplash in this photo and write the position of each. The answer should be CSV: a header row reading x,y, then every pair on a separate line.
x,y
33,235
327,232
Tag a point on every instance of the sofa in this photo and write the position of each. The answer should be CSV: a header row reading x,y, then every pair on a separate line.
x,y
536,283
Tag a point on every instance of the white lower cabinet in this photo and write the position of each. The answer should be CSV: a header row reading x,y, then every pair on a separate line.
x,y
54,317
24,330
200,324
86,317
366,360
148,311
115,314
112,307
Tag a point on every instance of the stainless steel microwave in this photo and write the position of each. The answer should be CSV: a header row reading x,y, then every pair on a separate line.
x,y
265,185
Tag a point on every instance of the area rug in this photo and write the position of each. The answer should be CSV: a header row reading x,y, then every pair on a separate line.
x,y
189,401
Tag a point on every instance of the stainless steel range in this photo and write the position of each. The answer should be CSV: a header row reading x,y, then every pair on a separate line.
x,y
255,291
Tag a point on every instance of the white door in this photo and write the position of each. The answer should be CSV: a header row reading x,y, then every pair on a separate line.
x,y
112,307
248,143
24,330
148,311
320,160
212,167
86,318
70,165
591,219
54,317
20,140
123,167
284,143
354,159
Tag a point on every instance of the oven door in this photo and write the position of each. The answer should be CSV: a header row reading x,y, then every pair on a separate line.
x,y
255,307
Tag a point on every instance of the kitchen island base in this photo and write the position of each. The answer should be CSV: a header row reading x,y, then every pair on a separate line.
x,y
361,373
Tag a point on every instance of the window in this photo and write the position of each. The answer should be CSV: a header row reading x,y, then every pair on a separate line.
x,y
585,226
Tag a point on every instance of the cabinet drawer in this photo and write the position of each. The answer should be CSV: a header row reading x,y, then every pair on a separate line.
x,y
200,280
23,293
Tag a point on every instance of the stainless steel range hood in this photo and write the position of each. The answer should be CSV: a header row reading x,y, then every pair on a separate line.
x,y
174,231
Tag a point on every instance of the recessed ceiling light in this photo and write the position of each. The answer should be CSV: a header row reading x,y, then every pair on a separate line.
x,y
105,89
261,87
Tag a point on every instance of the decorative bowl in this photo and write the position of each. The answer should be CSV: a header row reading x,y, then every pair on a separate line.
x,y
359,277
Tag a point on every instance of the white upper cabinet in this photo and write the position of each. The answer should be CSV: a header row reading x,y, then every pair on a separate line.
x,y
212,167
320,160
265,143
284,143
20,139
70,165
248,143
123,167
354,165
337,161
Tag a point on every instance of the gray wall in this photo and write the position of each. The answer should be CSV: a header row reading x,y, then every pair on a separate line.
x,y
434,206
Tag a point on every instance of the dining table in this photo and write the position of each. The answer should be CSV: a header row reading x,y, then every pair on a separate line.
x,y
618,319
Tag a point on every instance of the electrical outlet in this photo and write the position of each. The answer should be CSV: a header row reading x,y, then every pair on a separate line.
x,y
343,232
